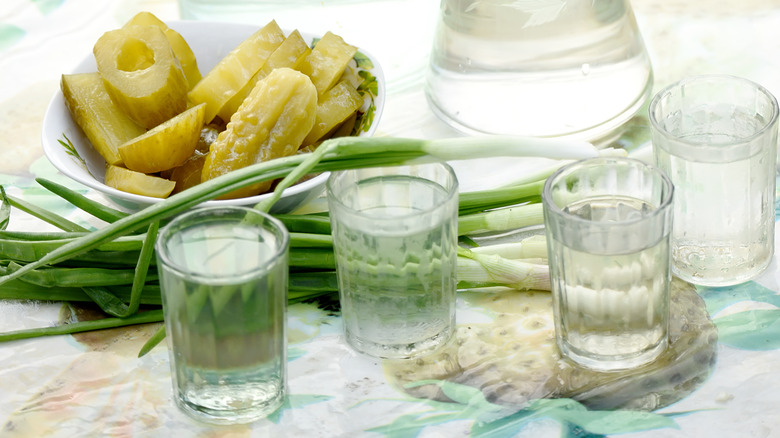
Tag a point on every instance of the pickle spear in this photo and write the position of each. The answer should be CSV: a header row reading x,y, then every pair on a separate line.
x,y
271,123
236,69
327,61
104,124
138,183
334,107
289,54
167,145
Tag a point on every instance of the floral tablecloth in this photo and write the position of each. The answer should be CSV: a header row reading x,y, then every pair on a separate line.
x,y
94,385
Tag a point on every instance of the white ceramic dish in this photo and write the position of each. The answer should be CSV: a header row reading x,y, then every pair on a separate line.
x,y
210,42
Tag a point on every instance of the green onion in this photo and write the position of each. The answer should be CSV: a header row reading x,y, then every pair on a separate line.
x,y
313,224
5,209
33,246
481,270
108,302
74,265
155,315
544,171
534,247
309,240
39,235
19,290
47,216
312,258
511,218
36,250
335,154
74,276
140,277
155,339
94,208
472,202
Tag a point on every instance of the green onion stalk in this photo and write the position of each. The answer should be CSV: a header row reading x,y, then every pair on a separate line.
x,y
114,267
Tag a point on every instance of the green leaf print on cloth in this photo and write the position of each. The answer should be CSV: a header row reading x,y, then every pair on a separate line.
x,y
750,329
495,421
47,6
10,35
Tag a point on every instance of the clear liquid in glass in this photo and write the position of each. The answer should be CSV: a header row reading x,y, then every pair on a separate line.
x,y
550,68
226,336
716,240
612,307
397,274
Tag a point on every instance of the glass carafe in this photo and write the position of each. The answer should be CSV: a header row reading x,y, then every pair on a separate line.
x,y
543,68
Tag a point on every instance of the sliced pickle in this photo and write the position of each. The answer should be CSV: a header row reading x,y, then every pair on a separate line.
x,y
167,145
181,49
183,52
235,70
289,54
271,122
105,125
142,74
138,183
208,135
334,107
188,174
344,129
327,61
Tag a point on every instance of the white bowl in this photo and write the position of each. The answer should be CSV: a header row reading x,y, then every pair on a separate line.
x,y
210,42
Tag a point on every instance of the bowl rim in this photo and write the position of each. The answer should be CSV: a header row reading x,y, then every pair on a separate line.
x,y
66,160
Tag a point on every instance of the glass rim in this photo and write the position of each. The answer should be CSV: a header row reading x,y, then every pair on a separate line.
x,y
452,191
740,143
551,207
170,228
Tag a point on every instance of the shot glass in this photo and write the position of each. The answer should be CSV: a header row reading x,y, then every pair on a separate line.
x,y
716,139
608,223
223,273
395,239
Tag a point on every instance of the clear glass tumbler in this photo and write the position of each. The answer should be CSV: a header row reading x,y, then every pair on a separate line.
x,y
223,273
608,222
548,68
716,139
395,239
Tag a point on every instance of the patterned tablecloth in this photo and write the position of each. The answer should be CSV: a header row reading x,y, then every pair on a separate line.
x,y
501,377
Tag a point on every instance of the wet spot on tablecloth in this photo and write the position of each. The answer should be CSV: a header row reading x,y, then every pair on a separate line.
x,y
514,359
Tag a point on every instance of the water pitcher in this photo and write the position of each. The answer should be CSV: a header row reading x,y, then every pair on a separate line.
x,y
545,68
